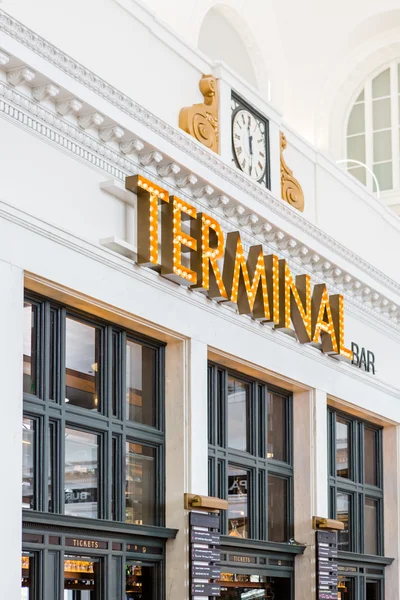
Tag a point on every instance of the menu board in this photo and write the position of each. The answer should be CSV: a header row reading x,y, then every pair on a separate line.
x,y
327,565
204,555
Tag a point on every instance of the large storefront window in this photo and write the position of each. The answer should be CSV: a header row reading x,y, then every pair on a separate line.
x,y
250,455
93,456
356,495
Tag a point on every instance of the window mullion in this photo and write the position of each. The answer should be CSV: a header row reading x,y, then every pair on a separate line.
x,y
369,156
394,104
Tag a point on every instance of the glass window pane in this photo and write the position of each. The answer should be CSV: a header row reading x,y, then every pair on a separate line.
x,y
51,476
276,427
238,414
81,578
140,383
30,349
52,359
381,84
370,526
277,509
343,514
356,123
342,448
81,473
27,571
360,98
140,484
82,364
356,148
28,463
238,502
370,457
383,173
139,582
359,173
381,117
382,146
373,590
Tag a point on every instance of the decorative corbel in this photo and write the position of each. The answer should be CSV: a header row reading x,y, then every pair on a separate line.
x,y
20,75
111,132
90,120
201,120
42,92
131,146
68,105
291,191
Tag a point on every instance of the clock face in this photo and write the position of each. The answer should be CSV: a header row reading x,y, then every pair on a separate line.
x,y
248,134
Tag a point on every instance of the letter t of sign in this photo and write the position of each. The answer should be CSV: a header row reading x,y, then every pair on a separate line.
x,y
149,196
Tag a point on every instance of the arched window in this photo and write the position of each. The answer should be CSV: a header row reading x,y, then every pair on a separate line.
x,y
372,135
220,40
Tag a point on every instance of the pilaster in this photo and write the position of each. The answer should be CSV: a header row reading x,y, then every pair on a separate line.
x,y
11,353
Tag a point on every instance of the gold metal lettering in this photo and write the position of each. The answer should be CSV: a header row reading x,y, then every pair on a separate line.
x,y
174,241
337,307
244,559
251,298
149,196
295,302
210,244
322,321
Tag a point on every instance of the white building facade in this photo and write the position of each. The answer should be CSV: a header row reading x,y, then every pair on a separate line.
x,y
142,362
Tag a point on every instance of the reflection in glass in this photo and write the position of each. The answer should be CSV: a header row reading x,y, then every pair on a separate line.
x,y
138,581
52,444
238,502
82,364
238,414
140,383
277,503
370,526
140,484
29,348
81,473
342,448
276,434
246,586
81,578
370,457
343,514
373,590
28,463
26,576
346,590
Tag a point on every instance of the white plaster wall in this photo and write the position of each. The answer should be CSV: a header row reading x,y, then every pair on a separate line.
x,y
54,187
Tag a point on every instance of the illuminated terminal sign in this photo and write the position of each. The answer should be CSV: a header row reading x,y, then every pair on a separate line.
x,y
196,254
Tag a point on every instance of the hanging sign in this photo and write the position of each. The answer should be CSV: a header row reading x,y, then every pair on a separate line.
x,y
327,565
203,570
190,249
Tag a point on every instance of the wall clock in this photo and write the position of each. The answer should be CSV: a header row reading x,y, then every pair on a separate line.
x,y
250,143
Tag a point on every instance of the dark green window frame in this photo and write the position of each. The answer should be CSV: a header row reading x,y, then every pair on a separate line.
x,y
52,414
255,461
355,486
